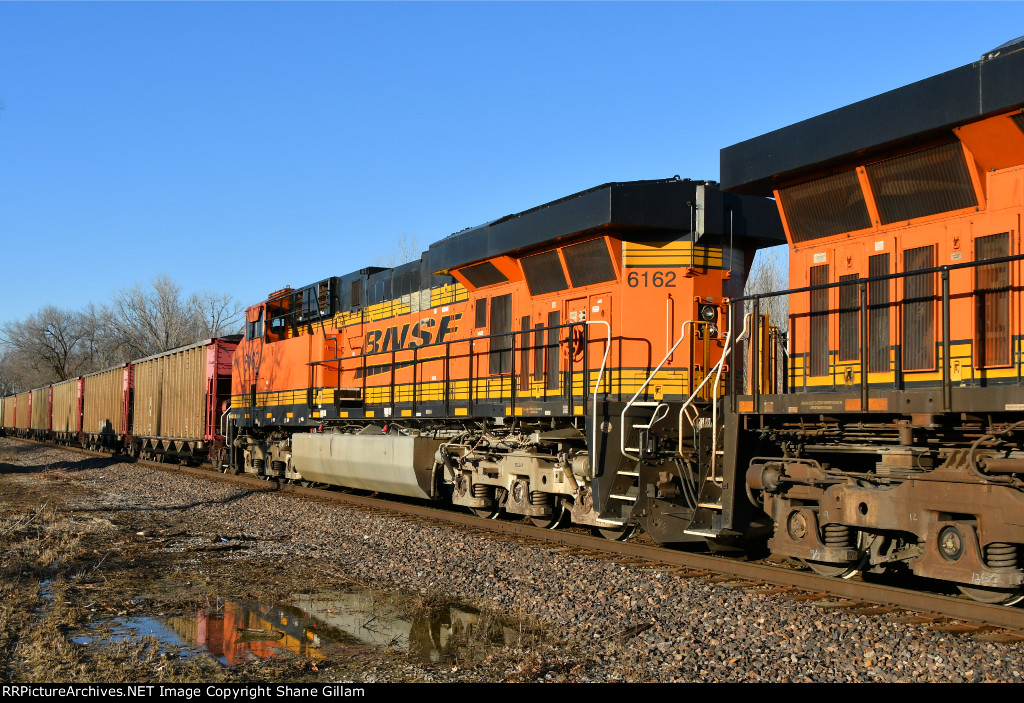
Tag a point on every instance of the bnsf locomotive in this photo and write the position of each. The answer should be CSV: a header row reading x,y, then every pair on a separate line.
x,y
594,359
517,367
895,442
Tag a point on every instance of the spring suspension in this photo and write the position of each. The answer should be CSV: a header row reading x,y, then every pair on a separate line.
x,y
277,465
540,498
837,535
258,464
481,490
1001,555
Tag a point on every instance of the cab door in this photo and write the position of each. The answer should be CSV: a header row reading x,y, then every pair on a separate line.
x,y
249,355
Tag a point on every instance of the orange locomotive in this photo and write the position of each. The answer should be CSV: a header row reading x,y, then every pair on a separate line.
x,y
517,366
896,444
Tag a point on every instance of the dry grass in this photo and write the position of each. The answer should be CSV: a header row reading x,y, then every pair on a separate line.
x,y
66,572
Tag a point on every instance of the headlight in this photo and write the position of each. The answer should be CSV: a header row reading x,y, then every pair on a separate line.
x,y
708,313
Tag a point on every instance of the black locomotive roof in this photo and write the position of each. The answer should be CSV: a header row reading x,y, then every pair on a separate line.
x,y
913,112
666,205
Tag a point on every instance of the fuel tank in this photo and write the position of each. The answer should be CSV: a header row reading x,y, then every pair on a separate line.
x,y
396,464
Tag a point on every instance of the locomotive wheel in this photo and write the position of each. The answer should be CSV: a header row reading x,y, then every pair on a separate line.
x,y
839,571
842,570
491,512
549,522
616,533
993,596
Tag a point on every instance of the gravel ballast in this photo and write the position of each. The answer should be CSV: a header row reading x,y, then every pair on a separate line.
x,y
610,621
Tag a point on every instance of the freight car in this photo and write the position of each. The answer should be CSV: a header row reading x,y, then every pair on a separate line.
x,y
164,407
896,445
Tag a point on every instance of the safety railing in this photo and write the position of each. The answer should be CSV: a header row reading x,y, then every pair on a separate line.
x,y
889,366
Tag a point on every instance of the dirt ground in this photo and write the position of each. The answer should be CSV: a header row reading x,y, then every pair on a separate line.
x,y
75,569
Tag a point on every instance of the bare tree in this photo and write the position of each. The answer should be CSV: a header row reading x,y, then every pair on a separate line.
x,y
769,274
405,248
219,314
150,321
10,374
49,344
55,345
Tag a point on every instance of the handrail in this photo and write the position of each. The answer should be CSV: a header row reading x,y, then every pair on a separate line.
x,y
600,379
392,353
223,432
726,349
883,277
629,403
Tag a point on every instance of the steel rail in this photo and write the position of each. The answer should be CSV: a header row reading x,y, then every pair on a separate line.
x,y
938,605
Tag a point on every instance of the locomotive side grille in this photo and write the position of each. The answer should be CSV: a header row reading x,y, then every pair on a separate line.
x,y
501,324
919,310
849,319
481,313
538,352
923,183
589,263
878,313
544,273
992,301
826,206
819,322
524,353
485,274
554,320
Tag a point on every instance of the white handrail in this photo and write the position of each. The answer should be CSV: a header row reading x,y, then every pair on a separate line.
x,y
622,418
717,371
593,401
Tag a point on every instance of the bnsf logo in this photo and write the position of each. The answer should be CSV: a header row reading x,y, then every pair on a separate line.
x,y
409,336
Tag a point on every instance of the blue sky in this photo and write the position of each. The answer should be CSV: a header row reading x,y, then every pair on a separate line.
x,y
240,147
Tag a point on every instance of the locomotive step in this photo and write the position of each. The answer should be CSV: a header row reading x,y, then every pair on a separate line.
x,y
710,506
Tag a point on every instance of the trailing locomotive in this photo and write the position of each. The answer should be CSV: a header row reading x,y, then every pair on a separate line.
x,y
896,444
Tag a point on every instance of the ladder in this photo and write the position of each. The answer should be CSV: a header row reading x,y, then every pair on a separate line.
x,y
709,501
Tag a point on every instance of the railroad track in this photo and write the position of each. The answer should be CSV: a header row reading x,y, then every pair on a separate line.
x,y
937,609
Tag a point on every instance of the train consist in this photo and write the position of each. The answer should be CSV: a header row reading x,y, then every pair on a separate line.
x,y
594,359
167,406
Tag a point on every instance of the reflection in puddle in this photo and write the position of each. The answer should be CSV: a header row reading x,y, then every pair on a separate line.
x,y
236,630
128,629
440,634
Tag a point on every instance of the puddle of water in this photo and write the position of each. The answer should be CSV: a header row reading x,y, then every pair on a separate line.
x,y
237,630
442,634
129,629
